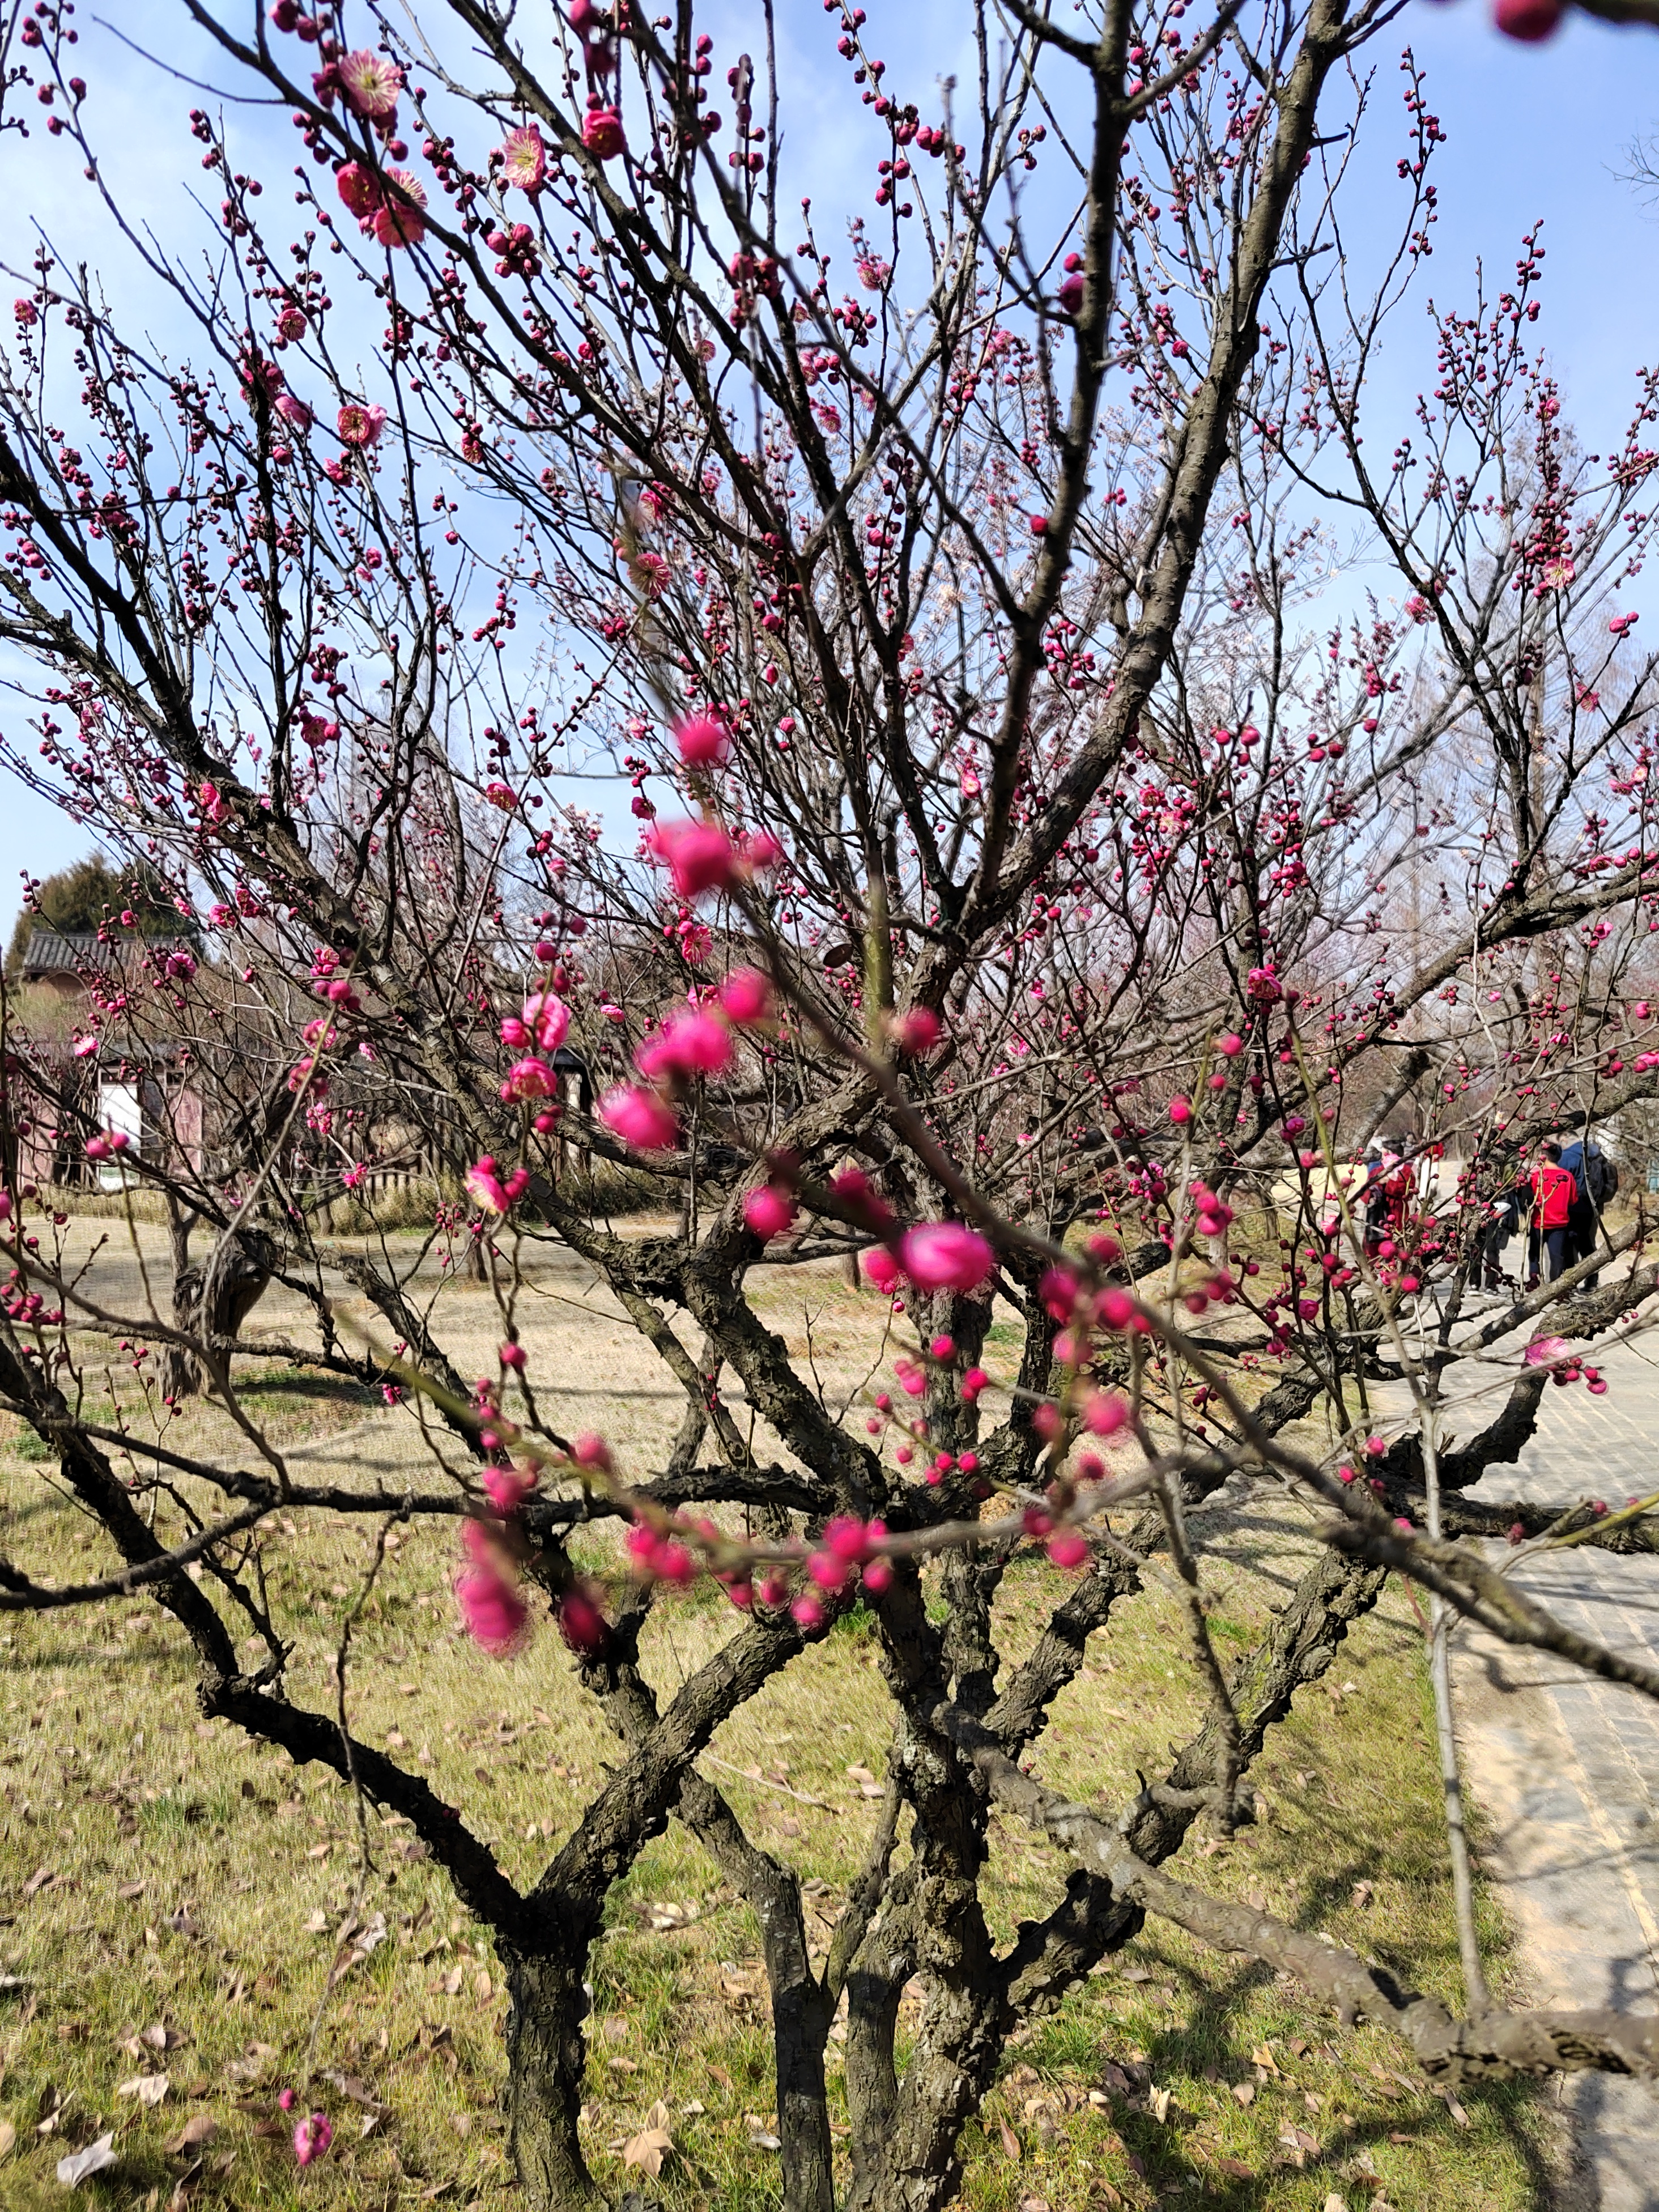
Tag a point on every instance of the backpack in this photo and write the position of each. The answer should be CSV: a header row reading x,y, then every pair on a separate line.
x,y
1601,1177
1594,1175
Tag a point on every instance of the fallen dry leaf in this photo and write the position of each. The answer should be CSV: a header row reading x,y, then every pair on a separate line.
x,y
79,2164
1010,2143
200,2129
651,2145
1235,2169
8,2136
1245,2091
42,1878
148,2089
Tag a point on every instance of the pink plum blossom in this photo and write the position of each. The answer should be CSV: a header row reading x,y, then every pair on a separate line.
x,y
642,1119
484,1188
360,188
547,1020
698,855
370,81
402,222
360,425
769,1211
529,1079
882,1269
746,996
524,158
945,1255
313,2138
603,134
916,1031
703,742
493,1611
686,1045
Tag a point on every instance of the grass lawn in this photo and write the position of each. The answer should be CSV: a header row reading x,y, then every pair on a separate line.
x,y
174,1902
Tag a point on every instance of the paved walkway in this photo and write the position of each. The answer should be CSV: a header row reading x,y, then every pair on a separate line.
x,y
1566,1769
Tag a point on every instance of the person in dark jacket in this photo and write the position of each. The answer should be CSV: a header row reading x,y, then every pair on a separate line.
x,y
1594,1180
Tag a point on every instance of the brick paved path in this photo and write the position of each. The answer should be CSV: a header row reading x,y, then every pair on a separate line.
x,y
1566,1769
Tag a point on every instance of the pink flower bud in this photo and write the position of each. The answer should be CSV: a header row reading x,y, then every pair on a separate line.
x,y
943,1348
1530,20
882,1269
580,1622
686,1045
1058,1290
702,741
916,1032
1229,1046
769,1211
1181,1109
878,1576
1069,1550
973,1382
514,1355
1104,1413
806,1612
591,1451
493,1612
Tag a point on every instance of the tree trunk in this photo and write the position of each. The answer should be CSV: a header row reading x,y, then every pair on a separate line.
x,y
546,2062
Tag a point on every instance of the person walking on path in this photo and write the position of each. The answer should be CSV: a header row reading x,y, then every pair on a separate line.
x,y
1553,1190
1595,1180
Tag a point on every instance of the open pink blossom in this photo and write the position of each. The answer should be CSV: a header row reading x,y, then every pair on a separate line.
x,y
313,2138
484,1186
547,1018
360,188
769,1211
370,81
1542,1352
524,159
294,412
402,222
943,1256
699,857
493,1610
642,1118
688,1045
529,1079
746,996
507,1487
703,742
603,134
360,425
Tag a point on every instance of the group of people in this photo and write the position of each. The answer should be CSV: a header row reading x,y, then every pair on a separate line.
x,y
1562,1196
1565,1195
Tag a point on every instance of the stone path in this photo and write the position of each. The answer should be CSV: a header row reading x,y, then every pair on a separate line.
x,y
1566,1769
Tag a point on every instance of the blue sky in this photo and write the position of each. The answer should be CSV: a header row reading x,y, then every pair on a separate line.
x,y
1534,133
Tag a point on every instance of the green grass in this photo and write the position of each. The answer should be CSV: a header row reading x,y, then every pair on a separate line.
x,y
1130,2093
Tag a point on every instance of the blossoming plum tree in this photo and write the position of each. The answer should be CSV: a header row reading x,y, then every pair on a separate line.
x,y
1057,856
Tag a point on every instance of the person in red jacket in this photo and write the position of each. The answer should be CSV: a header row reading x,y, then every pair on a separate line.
x,y
1552,1193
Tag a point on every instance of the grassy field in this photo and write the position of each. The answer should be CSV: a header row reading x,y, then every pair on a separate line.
x,y
174,1902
